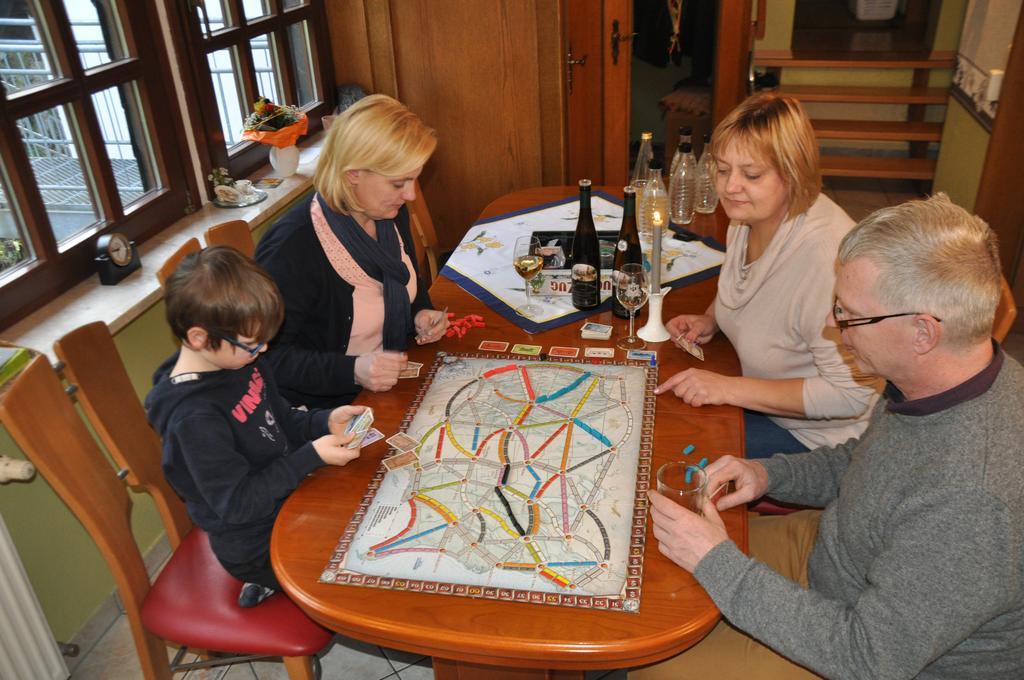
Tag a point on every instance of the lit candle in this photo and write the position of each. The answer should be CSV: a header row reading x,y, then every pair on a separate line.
x,y
656,223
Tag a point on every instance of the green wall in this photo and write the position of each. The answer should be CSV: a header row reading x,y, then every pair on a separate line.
x,y
961,156
66,570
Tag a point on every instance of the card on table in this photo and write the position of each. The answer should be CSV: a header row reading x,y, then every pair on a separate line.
x,y
691,347
268,183
493,346
528,350
596,331
599,352
641,355
402,442
401,460
568,352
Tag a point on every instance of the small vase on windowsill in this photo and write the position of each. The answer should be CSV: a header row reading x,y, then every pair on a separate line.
x,y
284,160
280,127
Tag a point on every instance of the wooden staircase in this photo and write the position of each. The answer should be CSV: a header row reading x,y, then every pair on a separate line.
x,y
914,129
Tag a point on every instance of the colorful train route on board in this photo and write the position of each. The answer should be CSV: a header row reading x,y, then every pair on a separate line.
x,y
528,485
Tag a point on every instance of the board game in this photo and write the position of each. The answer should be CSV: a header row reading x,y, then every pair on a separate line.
x,y
526,483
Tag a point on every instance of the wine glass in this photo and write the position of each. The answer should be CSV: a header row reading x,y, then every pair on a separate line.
x,y
631,290
528,263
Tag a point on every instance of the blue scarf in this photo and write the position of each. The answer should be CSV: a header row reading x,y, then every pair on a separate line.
x,y
382,261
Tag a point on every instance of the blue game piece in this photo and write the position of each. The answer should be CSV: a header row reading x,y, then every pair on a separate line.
x,y
702,463
688,450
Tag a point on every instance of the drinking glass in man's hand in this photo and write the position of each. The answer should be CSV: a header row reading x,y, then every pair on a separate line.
x,y
685,484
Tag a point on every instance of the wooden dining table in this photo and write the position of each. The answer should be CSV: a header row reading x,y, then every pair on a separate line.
x,y
487,638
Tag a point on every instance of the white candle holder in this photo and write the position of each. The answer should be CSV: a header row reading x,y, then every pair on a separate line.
x,y
654,330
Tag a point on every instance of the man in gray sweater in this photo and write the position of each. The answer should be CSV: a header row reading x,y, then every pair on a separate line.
x,y
916,569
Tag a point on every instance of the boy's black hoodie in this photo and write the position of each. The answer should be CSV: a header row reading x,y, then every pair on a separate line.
x,y
233,449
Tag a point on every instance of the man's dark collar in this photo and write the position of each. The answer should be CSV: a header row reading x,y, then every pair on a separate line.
x,y
973,387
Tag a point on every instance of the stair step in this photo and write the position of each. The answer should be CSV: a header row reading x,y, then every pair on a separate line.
x,y
837,59
881,167
867,95
886,130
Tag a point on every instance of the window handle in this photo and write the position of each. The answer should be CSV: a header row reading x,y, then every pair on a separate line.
x,y
199,6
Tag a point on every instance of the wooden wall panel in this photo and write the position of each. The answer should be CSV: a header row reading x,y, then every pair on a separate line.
x,y
550,17
346,21
470,69
998,201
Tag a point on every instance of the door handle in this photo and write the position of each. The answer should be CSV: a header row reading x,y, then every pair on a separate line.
x,y
569,63
616,38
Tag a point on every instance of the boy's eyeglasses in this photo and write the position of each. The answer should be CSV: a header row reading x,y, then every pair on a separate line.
x,y
866,320
252,350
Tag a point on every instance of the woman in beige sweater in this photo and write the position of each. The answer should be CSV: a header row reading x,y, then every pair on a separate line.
x,y
799,386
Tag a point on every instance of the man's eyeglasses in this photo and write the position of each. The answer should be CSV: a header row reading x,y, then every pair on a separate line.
x,y
253,351
866,320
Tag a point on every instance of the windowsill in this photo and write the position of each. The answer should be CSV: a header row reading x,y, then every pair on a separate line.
x,y
119,305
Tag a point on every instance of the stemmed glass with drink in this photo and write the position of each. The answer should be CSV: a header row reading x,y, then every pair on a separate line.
x,y
528,262
631,289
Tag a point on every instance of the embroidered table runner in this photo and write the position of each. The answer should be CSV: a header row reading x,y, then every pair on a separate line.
x,y
482,263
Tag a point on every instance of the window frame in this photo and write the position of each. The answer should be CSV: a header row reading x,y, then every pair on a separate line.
x,y
196,46
56,269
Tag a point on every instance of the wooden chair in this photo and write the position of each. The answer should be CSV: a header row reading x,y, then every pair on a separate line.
x,y
105,392
1006,312
427,250
235,233
168,267
193,601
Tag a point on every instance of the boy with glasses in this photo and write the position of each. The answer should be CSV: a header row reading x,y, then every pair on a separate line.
x,y
233,447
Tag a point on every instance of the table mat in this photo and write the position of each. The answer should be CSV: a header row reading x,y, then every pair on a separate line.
x,y
482,263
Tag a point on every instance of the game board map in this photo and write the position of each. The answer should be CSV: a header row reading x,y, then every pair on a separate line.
x,y
630,565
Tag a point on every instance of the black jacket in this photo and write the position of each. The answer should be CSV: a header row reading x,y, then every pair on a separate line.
x,y
233,449
308,354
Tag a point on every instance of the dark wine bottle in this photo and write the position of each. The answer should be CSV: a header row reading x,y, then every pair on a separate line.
x,y
586,256
627,249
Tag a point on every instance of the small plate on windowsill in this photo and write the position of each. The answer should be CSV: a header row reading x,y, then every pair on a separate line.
x,y
244,200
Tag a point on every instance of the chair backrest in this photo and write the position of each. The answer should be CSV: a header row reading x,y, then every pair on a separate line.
x,y
168,267
425,235
235,233
1006,312
43,422
93,364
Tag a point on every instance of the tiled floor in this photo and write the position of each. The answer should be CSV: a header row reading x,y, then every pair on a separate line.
x,y
113,657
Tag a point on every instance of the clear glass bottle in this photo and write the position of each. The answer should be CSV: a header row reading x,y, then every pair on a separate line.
x,y
643,159
685,136
683,187
654,198
707,171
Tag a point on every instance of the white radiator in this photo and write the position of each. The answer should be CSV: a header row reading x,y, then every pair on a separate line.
x,y
27,648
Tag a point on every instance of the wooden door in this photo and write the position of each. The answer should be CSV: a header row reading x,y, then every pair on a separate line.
x,y
598,105
491,78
